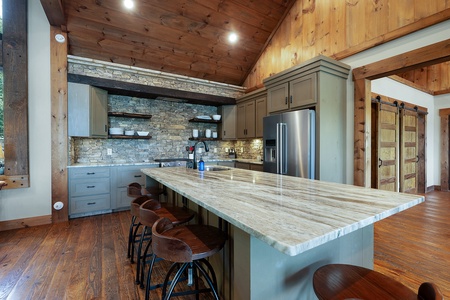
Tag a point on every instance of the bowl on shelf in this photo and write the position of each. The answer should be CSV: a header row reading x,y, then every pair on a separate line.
x,y
116,131
216,117
129,132
142,133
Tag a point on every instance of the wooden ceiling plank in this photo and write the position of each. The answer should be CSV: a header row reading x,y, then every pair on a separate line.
x,y
440,52
95,33
54,11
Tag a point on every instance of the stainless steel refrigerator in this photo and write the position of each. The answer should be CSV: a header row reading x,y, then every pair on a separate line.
x,y
289,143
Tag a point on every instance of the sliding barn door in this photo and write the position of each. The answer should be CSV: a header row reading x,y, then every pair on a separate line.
x,y
409,151
388,147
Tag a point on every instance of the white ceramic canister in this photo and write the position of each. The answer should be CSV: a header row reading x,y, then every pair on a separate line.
x,y
195,133
208,133
214,134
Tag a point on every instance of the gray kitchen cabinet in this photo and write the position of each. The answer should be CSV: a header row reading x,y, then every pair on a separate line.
x,y
227,129
249,166
226,163
87,111
252,108
297,93
121,177
89,191
246,120
320,84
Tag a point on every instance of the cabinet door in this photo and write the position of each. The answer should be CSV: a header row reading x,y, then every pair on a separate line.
x,y
277,98
303,91
99,112
240,125
227,129
260,113
250,119
241,165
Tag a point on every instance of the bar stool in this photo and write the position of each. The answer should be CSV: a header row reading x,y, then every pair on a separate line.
x,y
188,245
149,212
135,190
340,281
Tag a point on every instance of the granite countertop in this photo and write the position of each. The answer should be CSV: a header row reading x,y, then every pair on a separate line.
x,y
291,214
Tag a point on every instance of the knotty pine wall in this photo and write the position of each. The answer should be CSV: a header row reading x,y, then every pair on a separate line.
x,y
331,28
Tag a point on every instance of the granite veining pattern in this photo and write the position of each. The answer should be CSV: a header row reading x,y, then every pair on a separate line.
x,y
291,214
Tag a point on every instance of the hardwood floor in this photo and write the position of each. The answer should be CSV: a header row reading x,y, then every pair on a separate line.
x,y
86,258
414,246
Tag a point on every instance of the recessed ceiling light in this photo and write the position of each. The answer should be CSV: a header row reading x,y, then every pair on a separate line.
x,y
232,37
128,4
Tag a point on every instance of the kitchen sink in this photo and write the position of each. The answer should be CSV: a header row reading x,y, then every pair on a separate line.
x,y
216,168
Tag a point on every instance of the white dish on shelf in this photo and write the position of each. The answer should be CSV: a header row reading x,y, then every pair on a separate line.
x,y
129,132
142,133
203,117
216,117
116,131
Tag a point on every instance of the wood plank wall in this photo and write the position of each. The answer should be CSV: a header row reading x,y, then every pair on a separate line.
x,y
342,28
435,77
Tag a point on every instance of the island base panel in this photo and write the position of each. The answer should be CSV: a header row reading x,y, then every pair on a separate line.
x,y
262,272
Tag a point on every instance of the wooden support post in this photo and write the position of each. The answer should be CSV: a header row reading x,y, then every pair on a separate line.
x,y
362,133
58,62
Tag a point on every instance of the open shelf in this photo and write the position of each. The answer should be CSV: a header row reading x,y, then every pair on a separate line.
x,y
130,137
203,139
129,115
204,121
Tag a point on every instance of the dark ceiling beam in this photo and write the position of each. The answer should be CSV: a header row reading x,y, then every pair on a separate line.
x,y
150,92
55,12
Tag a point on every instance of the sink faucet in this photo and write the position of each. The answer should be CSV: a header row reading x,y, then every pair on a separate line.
x,y
195,151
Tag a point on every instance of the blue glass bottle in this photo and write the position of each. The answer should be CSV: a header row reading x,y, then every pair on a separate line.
x,y
201,165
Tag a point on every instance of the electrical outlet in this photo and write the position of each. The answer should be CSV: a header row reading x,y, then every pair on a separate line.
x,y
226,149
242,149
215,150
109,151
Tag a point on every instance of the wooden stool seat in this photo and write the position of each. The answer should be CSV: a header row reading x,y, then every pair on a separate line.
x,y
188,245
149,212
340,281
134,225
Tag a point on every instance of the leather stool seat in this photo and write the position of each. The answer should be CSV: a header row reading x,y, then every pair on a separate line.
x,y
340,281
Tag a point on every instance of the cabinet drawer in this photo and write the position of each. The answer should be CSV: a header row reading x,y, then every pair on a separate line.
x,y
89,203
88,172
83,187
127,176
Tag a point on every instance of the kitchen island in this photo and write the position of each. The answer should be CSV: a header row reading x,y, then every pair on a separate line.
x,y
283,228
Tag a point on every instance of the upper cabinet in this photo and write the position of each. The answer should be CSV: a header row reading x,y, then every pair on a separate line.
x,y
87,111
227,129
294,94
251,109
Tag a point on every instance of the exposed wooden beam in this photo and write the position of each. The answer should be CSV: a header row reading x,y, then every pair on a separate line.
x,y
55,12
425,56
151,92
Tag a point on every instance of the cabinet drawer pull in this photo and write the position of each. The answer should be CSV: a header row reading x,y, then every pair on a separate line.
x,y
91,203
137,176
285,100
291,99
90,186
90,173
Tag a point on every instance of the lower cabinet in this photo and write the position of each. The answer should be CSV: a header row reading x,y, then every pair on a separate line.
x,y
97,190
89,191
249,166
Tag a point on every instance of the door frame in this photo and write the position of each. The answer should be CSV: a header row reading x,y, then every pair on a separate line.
x,y
362,76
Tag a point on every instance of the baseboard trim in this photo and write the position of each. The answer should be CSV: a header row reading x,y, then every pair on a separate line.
x,y
26,222
433,188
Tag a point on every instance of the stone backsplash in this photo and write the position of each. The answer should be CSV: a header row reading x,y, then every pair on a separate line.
x,y
170,130
169,126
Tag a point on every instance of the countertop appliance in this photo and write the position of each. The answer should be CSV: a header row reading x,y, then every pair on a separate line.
x,y
172,162
289,143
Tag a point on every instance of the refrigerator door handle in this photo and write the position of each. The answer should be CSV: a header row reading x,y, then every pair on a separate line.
x,y
278,148
282,152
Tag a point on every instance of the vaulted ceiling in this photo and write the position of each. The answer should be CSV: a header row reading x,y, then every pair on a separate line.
x,y
189,37
184,37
